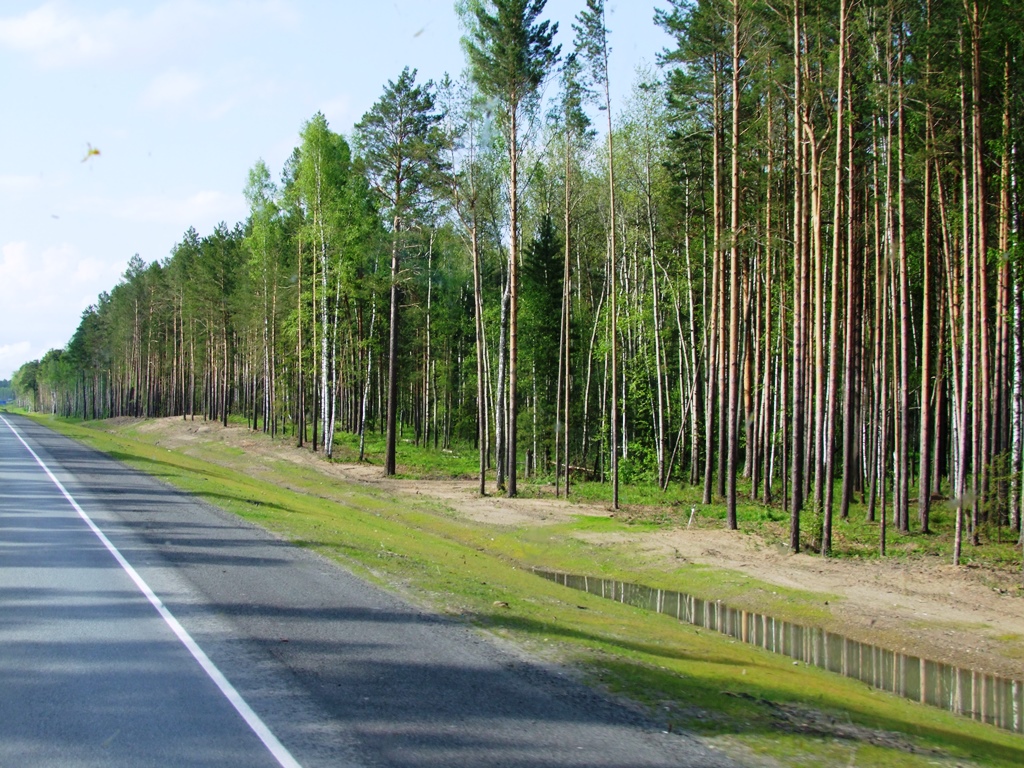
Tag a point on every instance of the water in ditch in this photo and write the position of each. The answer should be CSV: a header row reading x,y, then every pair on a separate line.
x,y
990,699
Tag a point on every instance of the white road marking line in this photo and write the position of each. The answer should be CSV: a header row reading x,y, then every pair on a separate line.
x,y
276,748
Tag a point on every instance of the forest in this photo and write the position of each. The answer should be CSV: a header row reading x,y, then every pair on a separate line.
x,y
788,269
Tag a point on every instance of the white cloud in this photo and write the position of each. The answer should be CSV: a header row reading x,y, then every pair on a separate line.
x,y
160,212
213,94
19,184
43,293
57,35
339,112
235,87
50,36
47,279
202,206
171,89
55,38
13,356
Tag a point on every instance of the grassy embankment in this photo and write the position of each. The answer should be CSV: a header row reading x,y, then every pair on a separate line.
x,y
644,503
747,701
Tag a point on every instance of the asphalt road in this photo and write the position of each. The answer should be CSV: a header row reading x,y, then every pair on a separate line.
x,y
248,651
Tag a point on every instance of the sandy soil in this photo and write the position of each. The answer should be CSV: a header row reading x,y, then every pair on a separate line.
x,y
971,617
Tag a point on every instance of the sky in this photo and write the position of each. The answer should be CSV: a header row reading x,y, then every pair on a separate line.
x,y
125,123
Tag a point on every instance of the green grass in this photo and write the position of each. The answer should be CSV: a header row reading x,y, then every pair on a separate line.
x,y
746,700
644,504
417,461
855,537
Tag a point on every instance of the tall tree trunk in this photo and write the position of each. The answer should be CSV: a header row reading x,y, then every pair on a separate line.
x,y
391,441
902,493
365,400
982,407
799,291
427,361
513,282
924,473
613,298
564,377
1005,306
483,432
501,399
837,211
714,398
734,282
655,314
766,388
567,383
960,490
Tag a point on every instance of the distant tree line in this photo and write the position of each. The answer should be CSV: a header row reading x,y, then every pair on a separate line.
x,y
790,267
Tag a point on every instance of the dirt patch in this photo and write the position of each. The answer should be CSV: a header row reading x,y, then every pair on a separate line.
x,y
971,617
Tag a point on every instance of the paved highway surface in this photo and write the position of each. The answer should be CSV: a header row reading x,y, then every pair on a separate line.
x,y
141,627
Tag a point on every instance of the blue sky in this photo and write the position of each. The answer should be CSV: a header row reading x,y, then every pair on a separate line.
x,y
181,98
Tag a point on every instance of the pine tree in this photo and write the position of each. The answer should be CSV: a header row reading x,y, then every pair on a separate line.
x,y
510,54
399,142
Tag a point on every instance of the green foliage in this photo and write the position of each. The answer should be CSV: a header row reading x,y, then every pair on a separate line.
x,y
324,161
264,237
592,41
25,384
399,142
638,466
569,114
542,304
509,51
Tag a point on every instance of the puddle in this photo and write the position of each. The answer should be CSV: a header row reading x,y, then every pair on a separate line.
x,y
990,699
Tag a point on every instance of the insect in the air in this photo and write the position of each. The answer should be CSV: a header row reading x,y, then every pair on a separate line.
x,y
90,151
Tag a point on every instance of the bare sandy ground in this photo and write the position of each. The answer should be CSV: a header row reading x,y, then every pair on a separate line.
x,y
971,617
